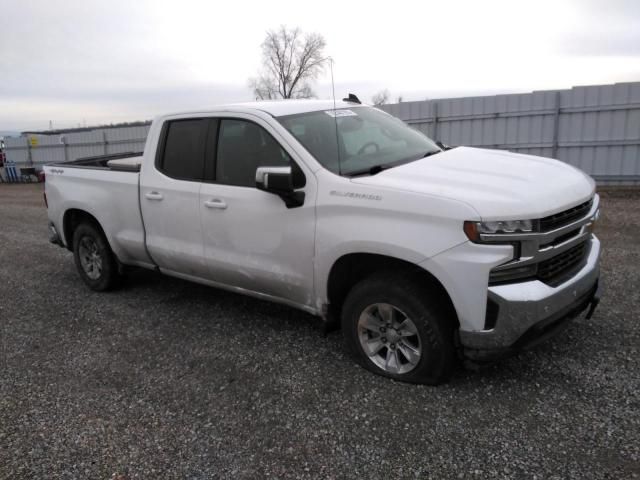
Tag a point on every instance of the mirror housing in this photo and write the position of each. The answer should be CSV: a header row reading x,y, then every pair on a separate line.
x,y
279,181
274,179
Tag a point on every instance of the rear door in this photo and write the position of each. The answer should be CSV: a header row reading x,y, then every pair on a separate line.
x,y
251,239
170,197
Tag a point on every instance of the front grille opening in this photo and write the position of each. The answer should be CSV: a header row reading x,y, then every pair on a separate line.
x,y
561,219
552,271
563,266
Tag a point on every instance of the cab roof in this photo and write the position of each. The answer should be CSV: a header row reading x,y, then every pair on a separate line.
x,y
279,108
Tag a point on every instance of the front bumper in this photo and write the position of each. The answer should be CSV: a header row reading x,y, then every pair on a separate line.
x,y
530,312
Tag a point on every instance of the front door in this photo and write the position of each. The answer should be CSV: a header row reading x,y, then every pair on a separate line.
x,y
251,239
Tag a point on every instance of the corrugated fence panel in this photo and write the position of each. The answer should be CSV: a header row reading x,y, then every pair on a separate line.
x,y
85,144
596,128
37,150
48,149
132,139
16,149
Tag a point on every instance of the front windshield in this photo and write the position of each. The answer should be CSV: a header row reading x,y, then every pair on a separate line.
x,y
366,137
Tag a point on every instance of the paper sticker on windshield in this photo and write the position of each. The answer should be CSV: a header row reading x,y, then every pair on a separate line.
x,y
341,113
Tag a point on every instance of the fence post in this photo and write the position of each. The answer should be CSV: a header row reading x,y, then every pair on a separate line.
x,y
556,127
435,120
63,141
104,142
29,157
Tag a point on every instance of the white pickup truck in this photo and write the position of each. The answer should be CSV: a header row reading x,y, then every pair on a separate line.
x,y
424,255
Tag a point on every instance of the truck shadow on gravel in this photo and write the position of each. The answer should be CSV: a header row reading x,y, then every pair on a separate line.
x,y
206,310
187,297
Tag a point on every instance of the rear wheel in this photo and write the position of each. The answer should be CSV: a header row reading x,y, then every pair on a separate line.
x,y
395,328
94,259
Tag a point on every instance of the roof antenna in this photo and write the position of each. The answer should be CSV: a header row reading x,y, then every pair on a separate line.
x,y
335,115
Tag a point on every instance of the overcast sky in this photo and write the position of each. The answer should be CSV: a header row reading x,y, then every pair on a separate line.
x,y
109,61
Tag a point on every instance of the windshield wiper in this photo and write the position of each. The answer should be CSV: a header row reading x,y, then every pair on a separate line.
x,y
431,152
384,166
370,170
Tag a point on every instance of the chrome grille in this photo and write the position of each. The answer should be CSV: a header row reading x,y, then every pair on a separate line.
x,y
553,256
561,219
564,265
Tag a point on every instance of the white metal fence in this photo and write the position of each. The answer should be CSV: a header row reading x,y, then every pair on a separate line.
x,y
37,150
596,128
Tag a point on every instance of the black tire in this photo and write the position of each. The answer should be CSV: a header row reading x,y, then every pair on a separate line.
x,y
107,277
432,332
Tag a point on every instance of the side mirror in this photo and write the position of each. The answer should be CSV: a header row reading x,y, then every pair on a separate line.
x,y
279,181
442,146
274,179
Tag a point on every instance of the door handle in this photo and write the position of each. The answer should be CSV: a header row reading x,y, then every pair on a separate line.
x,y
215,203
153,196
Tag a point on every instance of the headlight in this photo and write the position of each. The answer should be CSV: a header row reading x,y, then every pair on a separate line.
x,y
473,230
507,226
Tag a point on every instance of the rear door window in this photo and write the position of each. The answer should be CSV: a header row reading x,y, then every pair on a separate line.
x,y
184,147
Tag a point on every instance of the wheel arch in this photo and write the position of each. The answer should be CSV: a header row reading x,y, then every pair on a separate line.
x,y
351,268
72,218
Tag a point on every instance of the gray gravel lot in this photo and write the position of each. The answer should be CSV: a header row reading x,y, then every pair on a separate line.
x,y
167,379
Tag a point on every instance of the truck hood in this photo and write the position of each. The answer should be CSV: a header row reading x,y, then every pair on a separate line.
x,y
499,185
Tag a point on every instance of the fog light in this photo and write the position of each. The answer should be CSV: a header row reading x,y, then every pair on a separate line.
x,y
512,274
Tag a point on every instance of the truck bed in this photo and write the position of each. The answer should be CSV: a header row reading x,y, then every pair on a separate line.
x,y
106,190
122,162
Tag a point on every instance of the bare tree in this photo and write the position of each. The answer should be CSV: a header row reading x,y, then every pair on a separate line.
x,y
380,98
291,61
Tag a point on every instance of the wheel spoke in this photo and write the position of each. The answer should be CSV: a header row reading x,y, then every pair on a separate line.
x,y
386,312
411,353
374,346
392,364
372,323
407,328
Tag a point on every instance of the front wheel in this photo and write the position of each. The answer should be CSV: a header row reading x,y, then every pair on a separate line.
x,y
397,328
94,259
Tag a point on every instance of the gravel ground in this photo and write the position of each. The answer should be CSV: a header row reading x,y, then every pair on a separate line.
x,y
167,379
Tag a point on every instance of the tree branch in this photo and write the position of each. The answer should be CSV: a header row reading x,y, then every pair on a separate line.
x,y
290,61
